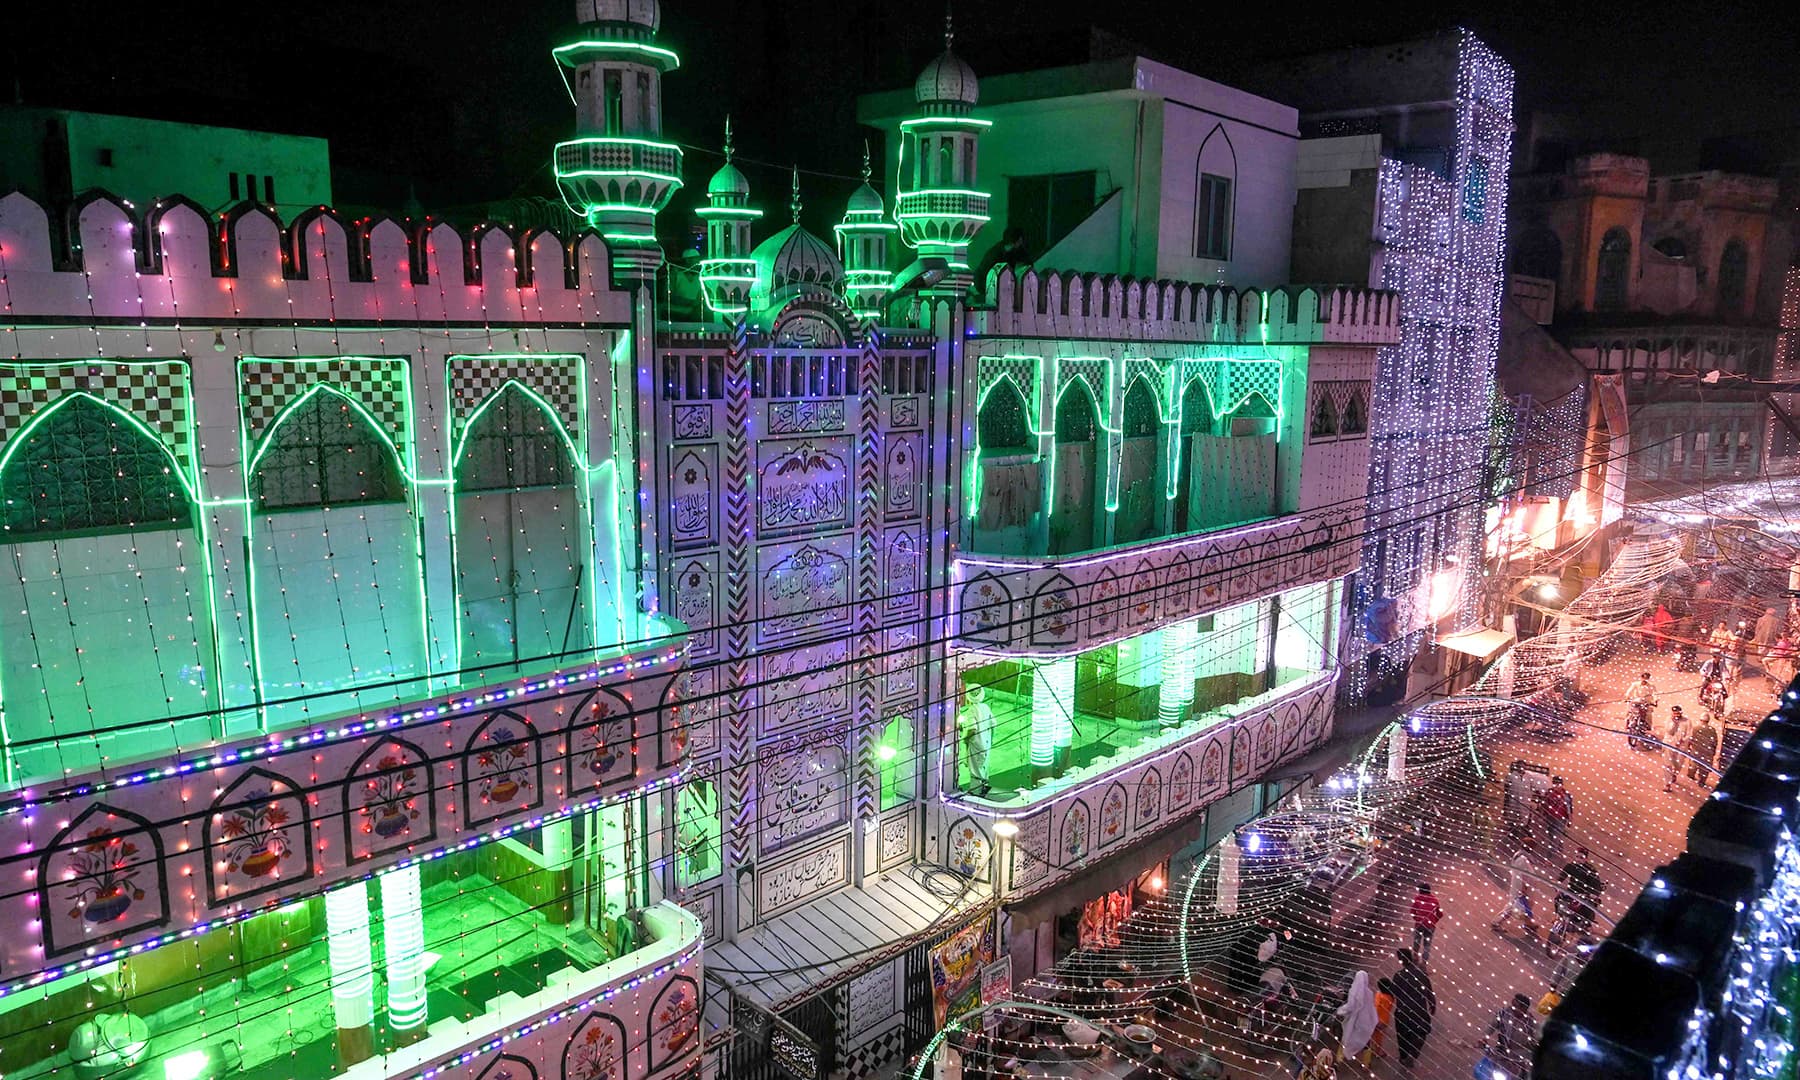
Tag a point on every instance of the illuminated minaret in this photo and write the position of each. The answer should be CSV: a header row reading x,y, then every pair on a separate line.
x,y
863,246
617,173
727,272
940,210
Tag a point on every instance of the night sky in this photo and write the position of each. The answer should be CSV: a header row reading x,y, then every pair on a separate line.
x,y
459,99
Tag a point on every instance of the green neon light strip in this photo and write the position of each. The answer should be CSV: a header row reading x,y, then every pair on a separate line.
x,y
946,121
865,226
634,174
914,215
946,191
621,140
657,52
403,944
746,212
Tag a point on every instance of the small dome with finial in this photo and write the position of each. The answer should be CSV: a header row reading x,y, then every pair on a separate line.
x,y
947,80
794,256
641,12
729,180
865,199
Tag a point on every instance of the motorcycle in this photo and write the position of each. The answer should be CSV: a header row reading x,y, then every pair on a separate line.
x,y
1637,728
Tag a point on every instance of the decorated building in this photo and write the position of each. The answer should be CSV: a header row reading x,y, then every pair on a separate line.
x,y
420,644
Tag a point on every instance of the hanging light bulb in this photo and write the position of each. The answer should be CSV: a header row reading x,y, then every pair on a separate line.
x,y
218,340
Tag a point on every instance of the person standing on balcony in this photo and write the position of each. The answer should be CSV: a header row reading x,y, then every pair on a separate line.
x,y
976,724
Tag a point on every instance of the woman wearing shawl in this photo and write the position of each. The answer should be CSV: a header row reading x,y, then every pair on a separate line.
x,y
1359,1015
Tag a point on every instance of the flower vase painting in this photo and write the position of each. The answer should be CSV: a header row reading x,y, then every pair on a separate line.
x,y
676,1021
505,766
389,798
256,837
103,877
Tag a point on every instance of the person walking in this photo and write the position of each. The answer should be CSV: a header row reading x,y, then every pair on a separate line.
x,y
1510,1039
1558,810
1674,745
977,723
1518,894
1640,700
1702,747
1426,912
1359,1016
1384,1011
1579,888
1414,1007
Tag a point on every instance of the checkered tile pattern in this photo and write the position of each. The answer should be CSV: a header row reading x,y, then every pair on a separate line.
x,y
557,379
1022,369
156,393
874,1056
379,384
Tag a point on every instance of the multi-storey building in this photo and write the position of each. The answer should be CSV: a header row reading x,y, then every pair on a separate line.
x,y
1672,284
419,647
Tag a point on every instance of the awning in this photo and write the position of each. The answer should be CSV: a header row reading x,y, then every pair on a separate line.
x,y
1111,874
1483,644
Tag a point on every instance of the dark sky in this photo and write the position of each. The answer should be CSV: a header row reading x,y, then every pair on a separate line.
x,y
461,99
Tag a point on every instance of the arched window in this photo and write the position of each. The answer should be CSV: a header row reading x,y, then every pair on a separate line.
x,y
1142,417
107,626
514,443
1356,414
1215,179
1324,420
1734,274
1196,409
328,453
1197,422
1075,417
337,597
521,548
85,469
1612,274
1002,423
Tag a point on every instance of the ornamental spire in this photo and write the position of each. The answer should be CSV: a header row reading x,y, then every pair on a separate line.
x,y
728,147
794,203
867,170
949,29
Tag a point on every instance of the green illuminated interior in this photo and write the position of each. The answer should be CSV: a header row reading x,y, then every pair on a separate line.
x,y
1238,653
108,646
254,1000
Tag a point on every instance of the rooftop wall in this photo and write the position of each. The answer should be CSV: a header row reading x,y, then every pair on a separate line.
x,y
1108,306
99,261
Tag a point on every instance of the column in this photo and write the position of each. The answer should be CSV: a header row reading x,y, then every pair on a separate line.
x,y
1140,668
403,939
352,971
1179,643
1052,711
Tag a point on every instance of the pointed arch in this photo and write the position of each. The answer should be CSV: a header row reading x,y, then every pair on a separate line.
x,y
1196,410
514,440
1143,414
1255,415
82,465
1081,421
1612,271
311,458
1215,195
1002,420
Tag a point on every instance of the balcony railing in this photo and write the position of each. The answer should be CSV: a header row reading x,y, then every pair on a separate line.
x,y
116,861
609,156
1064,825
1061,605
942,201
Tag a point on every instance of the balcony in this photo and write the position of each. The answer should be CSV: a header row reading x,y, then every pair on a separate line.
x,y
1111,801
606,174
275,998
941,215
1063,605
123,859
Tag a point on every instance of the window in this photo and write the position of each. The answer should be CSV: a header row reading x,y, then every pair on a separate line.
x,y
1734,273
1001,423
326,453
896,758
1047,208
1142,416
1325,422
1076,421
514,444
250,186
1212,238
615,102
268,189
1612,271
643,102
106,157
1356,415
234,187
82,470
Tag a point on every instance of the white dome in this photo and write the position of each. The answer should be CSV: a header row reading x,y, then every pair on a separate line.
x,y
729,180
947,79
794,256
642,12
864,200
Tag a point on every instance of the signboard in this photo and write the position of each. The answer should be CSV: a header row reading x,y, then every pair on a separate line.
x,y
996,986
956,967
794,1054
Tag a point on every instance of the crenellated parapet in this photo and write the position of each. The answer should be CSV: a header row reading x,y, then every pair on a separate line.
x,y
1109,306
100,259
